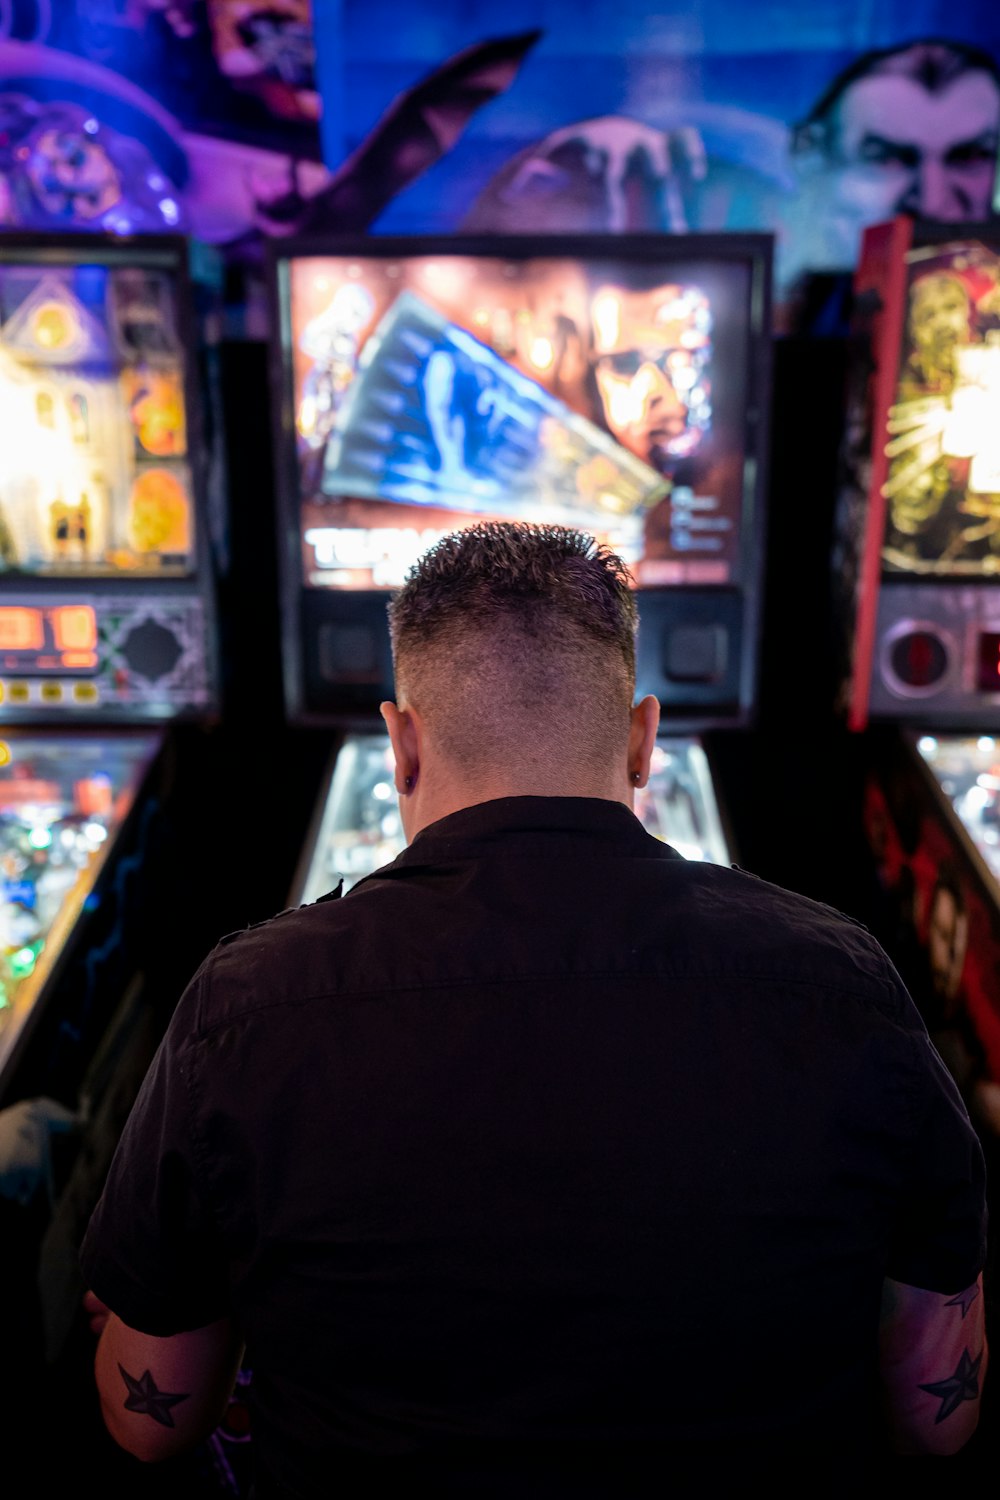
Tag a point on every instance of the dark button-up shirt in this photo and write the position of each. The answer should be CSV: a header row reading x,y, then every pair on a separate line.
x,y
543,1146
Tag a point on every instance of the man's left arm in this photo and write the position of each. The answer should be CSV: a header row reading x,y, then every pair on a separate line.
x,y
161,1397
154,1259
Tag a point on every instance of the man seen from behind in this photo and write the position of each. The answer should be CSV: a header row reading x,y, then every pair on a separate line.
x,y
544,1162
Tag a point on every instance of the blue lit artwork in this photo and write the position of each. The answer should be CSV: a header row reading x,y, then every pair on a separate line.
x,y
811,121
21,893
437,418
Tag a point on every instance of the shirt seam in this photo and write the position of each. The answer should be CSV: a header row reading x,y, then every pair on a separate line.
x,y
884,988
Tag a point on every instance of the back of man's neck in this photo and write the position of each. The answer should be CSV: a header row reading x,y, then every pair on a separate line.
x,y
431,803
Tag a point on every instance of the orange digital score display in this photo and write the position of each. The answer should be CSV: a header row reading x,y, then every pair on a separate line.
x,y
62,638
74,628
21,629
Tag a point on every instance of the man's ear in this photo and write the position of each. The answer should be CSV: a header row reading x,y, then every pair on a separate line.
x,y
642,739
405,744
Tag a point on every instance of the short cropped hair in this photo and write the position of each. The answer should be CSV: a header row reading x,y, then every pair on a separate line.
x,y
517,643
932,62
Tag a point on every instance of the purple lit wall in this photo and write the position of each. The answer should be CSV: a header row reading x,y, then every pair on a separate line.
x,y
206,116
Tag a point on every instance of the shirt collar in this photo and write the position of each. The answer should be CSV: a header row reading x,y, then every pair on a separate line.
x,y
588,818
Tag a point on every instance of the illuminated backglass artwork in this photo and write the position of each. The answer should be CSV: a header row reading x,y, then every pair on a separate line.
x,y
434,417
943,443
432,392
94,464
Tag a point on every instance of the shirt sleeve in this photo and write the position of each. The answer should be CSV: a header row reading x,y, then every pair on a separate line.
x,y
939,1242
152,1251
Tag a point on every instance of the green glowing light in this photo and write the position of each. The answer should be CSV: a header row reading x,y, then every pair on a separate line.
x,y
22,962
40,838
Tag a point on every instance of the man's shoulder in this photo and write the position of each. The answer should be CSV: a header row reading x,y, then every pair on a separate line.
x,y
781,929
721,923
789,905
291,957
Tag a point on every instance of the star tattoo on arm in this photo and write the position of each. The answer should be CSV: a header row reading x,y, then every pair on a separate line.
x,y
146,1400
962,1386
965,1299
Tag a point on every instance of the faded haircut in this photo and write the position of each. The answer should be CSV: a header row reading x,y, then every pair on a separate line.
x,y
517,644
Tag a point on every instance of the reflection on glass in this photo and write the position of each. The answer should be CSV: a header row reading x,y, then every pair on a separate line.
x,y
360,828
678,805
61,802
968,771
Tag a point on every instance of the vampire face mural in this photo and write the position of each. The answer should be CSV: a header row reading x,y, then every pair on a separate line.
x,y
911,130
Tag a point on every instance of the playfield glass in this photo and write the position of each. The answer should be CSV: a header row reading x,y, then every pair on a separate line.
x,y
62,801
360,829
967,769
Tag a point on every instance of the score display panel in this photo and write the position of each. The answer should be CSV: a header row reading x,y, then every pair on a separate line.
x,y
104,580
927,645
615,384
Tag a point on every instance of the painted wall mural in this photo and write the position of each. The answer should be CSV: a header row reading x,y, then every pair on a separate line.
x,y
234,119
808,121
146,115
203,116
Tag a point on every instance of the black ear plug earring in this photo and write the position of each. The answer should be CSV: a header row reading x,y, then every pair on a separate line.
x,y
409,783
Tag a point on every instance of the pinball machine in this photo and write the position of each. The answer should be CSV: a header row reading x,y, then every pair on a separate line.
x,y
106,600
619,385
107,643
418,386
919,582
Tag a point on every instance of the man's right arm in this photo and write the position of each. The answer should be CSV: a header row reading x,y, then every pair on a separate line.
x,y
932,1362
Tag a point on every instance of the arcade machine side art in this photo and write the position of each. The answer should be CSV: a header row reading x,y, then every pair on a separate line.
x,y
106,641
921,516
618,385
